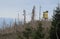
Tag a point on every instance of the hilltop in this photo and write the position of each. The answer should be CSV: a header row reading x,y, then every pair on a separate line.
x,y
10,32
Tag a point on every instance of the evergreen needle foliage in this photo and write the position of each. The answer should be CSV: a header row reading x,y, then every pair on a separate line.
x,y
54,32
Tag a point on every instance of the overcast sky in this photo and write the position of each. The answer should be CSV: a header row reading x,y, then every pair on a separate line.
x,y
10,8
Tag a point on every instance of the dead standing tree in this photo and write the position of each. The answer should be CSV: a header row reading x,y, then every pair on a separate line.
x,y
4,25
24,16
40,13
33,16
15,26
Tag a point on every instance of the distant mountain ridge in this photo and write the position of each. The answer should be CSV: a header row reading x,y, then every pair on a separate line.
x,y
7,21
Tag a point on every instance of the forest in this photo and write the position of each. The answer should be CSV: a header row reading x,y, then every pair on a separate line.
x,y
35,29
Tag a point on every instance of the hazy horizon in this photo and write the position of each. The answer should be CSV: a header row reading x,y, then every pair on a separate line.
x,y
11,8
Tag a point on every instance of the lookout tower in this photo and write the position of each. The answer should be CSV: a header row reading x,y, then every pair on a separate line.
x,y
45,15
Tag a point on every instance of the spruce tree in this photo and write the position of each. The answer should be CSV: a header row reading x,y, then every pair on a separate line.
x,y
27,32
55,28
38,34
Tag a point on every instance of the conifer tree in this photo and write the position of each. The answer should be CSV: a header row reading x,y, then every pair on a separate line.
x,y
55,29
38,34
27,32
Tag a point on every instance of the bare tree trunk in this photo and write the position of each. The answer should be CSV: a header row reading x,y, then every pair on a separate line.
x,y
24,16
